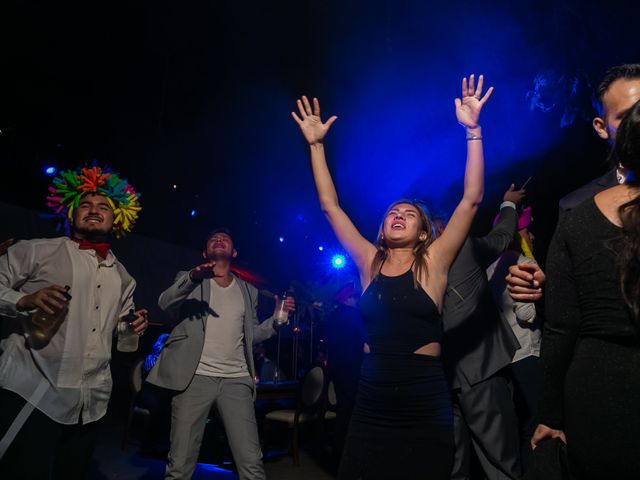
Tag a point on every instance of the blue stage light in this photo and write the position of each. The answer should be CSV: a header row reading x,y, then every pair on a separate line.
x,y
50,170
193,213
338,261
281,239
321,248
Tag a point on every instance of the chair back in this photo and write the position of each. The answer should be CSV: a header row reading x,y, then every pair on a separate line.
x,y
312,390
135,378
331,396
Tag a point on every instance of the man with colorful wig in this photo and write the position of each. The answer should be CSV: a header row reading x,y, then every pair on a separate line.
x,y
61,300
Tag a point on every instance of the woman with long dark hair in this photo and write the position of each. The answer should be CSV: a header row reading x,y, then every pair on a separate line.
x,y
591,342
402,424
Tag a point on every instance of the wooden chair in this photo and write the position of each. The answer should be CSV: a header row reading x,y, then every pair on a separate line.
x,y
311,402
330,411
135,382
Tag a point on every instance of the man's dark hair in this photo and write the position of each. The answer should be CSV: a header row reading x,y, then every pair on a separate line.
x,y
630,71
224,230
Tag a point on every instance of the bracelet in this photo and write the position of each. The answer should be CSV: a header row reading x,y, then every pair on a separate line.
x,y
474,137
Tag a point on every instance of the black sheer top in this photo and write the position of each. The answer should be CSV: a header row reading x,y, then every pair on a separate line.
x,y
583,299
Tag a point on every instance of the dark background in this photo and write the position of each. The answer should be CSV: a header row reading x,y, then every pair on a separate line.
x,y
199,94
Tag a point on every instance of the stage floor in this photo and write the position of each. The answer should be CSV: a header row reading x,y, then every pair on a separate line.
x,y
111,463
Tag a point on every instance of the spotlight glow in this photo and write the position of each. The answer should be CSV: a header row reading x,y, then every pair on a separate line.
x,y
50,170
193,213
338,261
281,239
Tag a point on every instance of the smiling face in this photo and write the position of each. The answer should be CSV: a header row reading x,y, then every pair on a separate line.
x,y
93,218
220,247
404,225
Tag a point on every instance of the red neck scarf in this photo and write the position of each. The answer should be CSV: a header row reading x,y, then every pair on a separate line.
x,y
102,249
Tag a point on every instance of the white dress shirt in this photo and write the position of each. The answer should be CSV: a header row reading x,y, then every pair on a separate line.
x,y
69,379
521,316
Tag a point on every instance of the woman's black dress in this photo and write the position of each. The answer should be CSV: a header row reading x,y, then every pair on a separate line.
x,y
591,350
402,424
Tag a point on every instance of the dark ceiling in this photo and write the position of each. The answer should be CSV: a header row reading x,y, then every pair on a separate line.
x,y
198,95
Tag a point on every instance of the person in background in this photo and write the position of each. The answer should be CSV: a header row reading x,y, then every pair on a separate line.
x,y
618,91
478,347
345,338
158,402
266,368
526,323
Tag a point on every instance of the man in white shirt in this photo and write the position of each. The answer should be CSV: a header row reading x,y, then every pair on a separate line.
x,y
55,380
208,359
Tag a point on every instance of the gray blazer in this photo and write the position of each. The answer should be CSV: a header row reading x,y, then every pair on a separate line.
x,y
189,302
477,342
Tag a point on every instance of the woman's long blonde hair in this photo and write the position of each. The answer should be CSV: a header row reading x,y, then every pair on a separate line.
x,y
419,250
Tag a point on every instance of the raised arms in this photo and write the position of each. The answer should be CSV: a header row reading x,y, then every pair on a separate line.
x,y
313,130
445,248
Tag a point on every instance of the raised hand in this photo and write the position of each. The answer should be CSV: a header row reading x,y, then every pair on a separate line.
x,y
469,106
513,195
309,121
206,270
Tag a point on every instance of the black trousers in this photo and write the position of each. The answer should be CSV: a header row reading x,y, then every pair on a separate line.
x,y
526,377
43,448
484,416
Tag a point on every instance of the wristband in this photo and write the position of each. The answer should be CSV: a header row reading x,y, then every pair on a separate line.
x,y
473,136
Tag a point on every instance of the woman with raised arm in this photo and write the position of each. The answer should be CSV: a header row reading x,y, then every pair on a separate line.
x,y
402,424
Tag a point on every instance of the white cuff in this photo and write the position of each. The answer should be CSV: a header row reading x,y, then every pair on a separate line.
x,y
507,203
8,305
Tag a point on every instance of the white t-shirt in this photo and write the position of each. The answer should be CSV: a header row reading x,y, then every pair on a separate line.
x,y
223,351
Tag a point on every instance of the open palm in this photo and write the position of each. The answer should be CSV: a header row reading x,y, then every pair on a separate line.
x,y
469,106
309,121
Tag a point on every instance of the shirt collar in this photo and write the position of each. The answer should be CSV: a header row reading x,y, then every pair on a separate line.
x,y
107,262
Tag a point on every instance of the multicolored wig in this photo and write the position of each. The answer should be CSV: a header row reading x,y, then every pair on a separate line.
x,y
69,186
